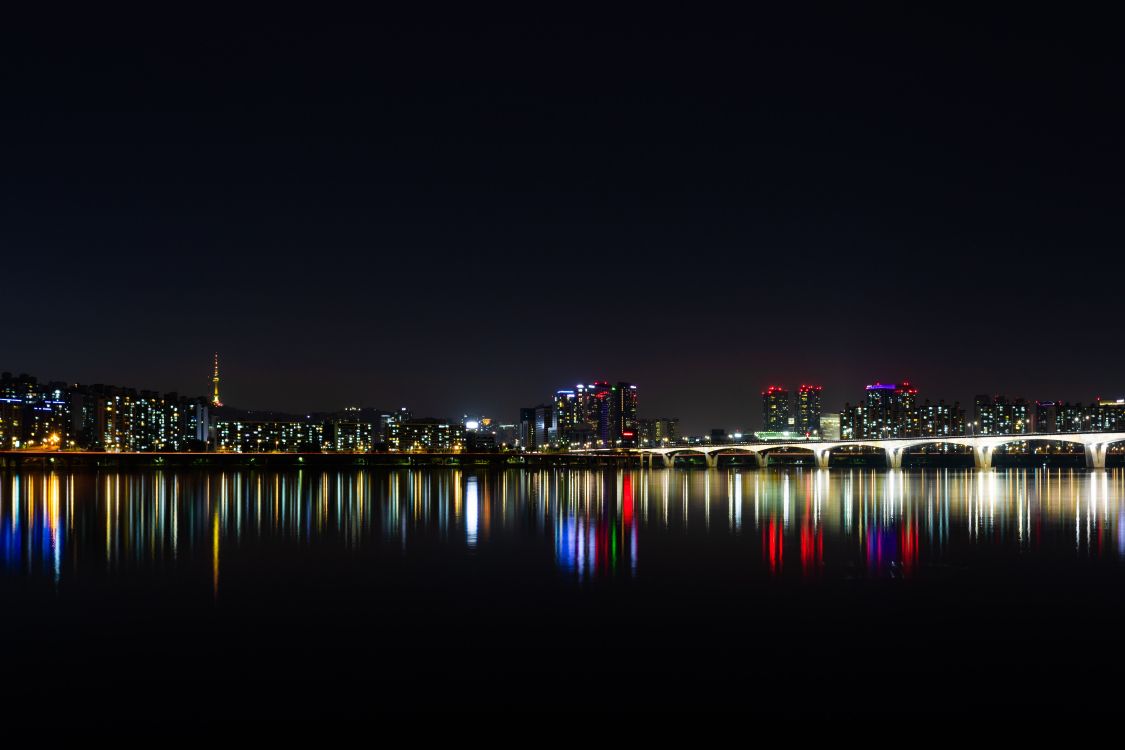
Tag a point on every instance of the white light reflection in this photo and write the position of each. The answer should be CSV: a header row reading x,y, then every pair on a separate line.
x,y
472,511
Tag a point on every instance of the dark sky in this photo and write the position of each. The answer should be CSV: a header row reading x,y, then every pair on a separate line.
x,y
464,216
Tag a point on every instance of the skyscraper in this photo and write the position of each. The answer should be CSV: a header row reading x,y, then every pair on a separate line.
x,y
982,415
888,410
626,427
830,426
998,416
936,420
567,414
655,433
808,410
527,428
1046,417
599,412
1109,415
775,409
538,428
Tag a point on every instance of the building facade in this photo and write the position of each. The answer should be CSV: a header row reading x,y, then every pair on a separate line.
x,y
830,426
996,415
656,433
940,419
98,417
269,436
888,410
427,436
776,410
808,410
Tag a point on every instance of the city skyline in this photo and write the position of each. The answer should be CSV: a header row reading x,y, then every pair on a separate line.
x,y
455,397
595,414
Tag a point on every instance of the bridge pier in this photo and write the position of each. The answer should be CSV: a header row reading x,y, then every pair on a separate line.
x,y
1095,455
823,456
982,456
712,460
894,457
763,459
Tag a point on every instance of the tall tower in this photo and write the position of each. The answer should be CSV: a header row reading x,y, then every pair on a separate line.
x,y
775,409
215,400
808,410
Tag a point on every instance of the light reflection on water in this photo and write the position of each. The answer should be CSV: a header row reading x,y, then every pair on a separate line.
x,y
793,524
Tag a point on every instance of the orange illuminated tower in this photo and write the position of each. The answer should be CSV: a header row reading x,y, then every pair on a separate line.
x,y
215,400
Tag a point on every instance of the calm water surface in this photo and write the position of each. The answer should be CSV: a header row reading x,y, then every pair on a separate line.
x,y
303,593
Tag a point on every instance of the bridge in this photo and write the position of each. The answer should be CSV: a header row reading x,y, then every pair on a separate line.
x,y
1096,445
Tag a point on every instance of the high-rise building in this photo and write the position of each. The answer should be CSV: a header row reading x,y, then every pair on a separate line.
x,y
351,436
1109,416
584,406
538,429
655,433
982,415
98,417
597,414
830,426
34,414
269,436
775,409
571,422
576,415
998,416
853,421
891,410
1046,417
427,436
940,419
526,437
1016,418
602,408
546,429
625,417
888,410
566,410
808,410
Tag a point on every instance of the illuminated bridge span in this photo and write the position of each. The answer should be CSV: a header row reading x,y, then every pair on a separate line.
x,y
1096,445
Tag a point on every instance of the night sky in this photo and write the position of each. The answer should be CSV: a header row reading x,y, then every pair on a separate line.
x,y
461,216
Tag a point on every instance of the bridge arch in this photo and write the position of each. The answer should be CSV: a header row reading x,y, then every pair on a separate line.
x,y
960,442
686,452
1095,447
719,452
825,453
910,453
798,449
